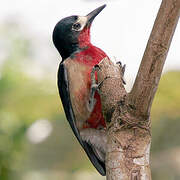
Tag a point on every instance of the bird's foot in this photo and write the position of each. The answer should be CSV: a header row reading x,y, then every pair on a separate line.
x,y
122,67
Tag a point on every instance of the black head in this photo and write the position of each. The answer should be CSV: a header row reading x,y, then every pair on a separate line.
x,y
66,32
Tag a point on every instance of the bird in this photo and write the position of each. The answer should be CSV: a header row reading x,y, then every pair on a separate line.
x,y
80,100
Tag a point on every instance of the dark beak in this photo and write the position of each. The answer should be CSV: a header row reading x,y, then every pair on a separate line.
x,y
94,13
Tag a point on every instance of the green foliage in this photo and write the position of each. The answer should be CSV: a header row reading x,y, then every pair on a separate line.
x,y
165,128
22,101
167,99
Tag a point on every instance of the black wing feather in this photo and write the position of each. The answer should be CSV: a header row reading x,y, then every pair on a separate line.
x,y
65,98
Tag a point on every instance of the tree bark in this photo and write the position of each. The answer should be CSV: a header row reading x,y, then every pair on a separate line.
x,y
127,115
150,70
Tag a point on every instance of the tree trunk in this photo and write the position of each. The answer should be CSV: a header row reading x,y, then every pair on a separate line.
x,y
127,115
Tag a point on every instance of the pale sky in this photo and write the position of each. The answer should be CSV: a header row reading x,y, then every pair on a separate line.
x,y
121,29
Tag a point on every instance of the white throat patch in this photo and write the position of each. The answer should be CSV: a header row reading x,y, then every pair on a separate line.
x,y
81,22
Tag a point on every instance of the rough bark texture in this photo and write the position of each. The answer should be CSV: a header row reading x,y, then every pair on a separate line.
x,y
128,115
128,146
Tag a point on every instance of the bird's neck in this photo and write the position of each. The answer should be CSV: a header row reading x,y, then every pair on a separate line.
x,y
84,38
83,42
68,49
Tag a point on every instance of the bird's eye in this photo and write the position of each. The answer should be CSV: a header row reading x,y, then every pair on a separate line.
x,y
76,26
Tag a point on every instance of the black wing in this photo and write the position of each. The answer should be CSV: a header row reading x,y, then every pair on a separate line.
x,y
66,101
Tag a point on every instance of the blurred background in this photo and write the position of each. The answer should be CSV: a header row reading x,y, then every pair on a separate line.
x,y
36,142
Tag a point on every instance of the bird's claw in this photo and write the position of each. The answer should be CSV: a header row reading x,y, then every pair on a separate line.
x,y
96,67
119,62
122,70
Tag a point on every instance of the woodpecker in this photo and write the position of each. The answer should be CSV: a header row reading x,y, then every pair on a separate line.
x,y
81,101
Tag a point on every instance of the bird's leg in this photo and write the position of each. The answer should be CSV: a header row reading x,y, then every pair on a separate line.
x,y
122,70
93,89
